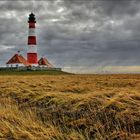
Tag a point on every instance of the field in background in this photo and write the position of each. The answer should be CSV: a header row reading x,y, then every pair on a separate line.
x,y
70,107
31,72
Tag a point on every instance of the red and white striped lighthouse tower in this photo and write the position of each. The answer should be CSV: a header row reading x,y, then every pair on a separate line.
x,y
32,49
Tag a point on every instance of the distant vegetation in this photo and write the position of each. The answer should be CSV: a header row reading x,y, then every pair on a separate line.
x,y
70,107
31,72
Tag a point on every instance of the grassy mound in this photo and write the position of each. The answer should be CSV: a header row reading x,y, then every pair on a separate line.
x,y
37,72
73,107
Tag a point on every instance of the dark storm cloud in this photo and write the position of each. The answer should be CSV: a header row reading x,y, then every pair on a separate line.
x,y
74,33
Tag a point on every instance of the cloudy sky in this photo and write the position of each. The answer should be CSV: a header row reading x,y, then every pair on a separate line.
x,y
77,35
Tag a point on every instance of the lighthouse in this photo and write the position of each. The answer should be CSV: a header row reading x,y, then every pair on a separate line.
x,y
19,61
32,48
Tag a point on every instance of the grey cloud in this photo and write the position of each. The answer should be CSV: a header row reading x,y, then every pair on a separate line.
x,y
75,33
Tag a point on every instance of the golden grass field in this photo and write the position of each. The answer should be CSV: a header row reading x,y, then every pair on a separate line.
x,y
70,107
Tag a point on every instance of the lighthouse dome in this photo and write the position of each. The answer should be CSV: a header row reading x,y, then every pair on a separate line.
x,y
31,18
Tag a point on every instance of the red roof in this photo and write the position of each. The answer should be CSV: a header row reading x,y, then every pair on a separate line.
x,y
18,59
44,61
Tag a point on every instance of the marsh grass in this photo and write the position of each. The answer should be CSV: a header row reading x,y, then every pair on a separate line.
x,y
70,107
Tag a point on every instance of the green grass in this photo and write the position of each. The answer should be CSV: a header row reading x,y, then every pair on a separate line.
x,y
37,72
